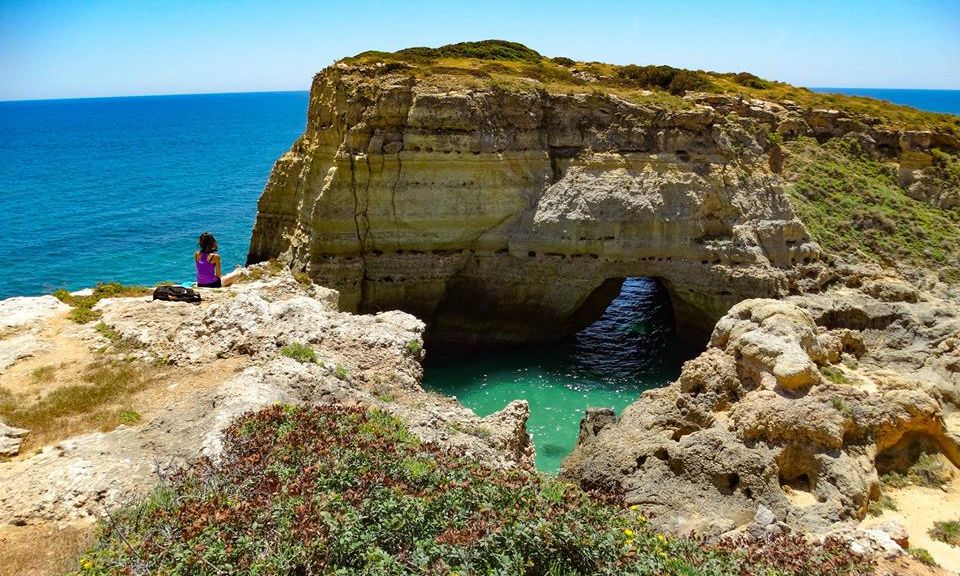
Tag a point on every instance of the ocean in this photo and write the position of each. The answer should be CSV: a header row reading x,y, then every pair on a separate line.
x,y
104,189
119,189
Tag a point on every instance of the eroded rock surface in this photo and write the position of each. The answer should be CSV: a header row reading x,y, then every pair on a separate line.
x,y
503,216
796,408
362,360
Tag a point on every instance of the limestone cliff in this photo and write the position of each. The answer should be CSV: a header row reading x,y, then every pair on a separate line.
x,y
502,208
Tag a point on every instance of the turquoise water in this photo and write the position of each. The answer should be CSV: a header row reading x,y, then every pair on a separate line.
x,y
632,348
120,188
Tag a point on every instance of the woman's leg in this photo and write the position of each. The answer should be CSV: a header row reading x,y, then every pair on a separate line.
x,y
231,277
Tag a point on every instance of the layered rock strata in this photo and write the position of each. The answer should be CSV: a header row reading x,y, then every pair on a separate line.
x,y
500,216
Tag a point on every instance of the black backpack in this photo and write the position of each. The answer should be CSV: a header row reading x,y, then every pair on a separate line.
x,y
176,294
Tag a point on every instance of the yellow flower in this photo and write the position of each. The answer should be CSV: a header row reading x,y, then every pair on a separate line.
x,y
634,507
628,532
661,538
629,542
86,564
641,518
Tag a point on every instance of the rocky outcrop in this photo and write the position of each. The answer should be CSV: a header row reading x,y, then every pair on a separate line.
x,y
796,407
361,360
502,216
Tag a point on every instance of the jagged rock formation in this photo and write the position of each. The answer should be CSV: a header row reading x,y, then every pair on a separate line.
x,y
797,406
504,214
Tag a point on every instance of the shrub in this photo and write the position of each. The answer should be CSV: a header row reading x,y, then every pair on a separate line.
x,y
414,346
335,490
946,531
673,80
340,372
563,61
931,471
483,50
299,352
751,81
877,507
923,556
834,374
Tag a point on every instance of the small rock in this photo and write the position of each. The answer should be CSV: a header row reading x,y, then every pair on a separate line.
x,y
764,517
897,532
10,439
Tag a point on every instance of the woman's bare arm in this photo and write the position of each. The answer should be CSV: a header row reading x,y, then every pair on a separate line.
x,y
216,263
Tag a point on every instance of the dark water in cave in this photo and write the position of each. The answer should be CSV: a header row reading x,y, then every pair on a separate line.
x,y
633,347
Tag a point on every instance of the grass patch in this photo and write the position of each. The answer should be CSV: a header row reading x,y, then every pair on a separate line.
x,y
43,374
107,332
340,372
877,507
853,205
946,531
414,346
299,352
834,375
83,305
511,65
77,407
336,490
302,278
923,556
261,271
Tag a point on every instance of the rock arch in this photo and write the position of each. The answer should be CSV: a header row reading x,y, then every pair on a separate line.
x,y
507,216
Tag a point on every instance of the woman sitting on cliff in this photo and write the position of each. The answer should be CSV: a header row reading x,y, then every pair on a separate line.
x,y
208,264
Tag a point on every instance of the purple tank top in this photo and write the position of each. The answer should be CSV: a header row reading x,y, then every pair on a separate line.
x,y
206,270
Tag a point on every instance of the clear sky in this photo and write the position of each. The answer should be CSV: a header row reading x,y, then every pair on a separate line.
x,y
76,48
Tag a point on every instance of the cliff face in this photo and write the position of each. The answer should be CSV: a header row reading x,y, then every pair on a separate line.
x,y
503,212
502,216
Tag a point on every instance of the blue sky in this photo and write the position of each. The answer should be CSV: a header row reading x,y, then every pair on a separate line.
x,y
58,49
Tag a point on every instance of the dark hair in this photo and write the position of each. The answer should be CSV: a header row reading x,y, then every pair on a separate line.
x,y
207,243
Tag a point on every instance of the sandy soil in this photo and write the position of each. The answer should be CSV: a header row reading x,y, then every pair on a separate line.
x,y
919,508
53,548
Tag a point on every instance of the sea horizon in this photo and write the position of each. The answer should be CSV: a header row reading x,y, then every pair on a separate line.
x,y
85,180
820,89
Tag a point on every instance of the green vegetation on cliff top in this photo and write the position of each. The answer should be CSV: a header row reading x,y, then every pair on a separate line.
x,y
853,204
333,490
511,64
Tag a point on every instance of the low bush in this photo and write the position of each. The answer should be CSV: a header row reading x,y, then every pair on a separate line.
x,y
334,490
299,352
946,531
923,555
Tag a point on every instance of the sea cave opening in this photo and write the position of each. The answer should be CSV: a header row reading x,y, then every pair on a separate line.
x,y
634,346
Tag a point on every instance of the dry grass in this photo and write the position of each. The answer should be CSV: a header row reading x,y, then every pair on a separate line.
x,y
96,404
515,67
83,305
44,374
43,550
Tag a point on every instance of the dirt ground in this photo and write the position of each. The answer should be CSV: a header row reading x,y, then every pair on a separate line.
x,y
918,508
69,350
